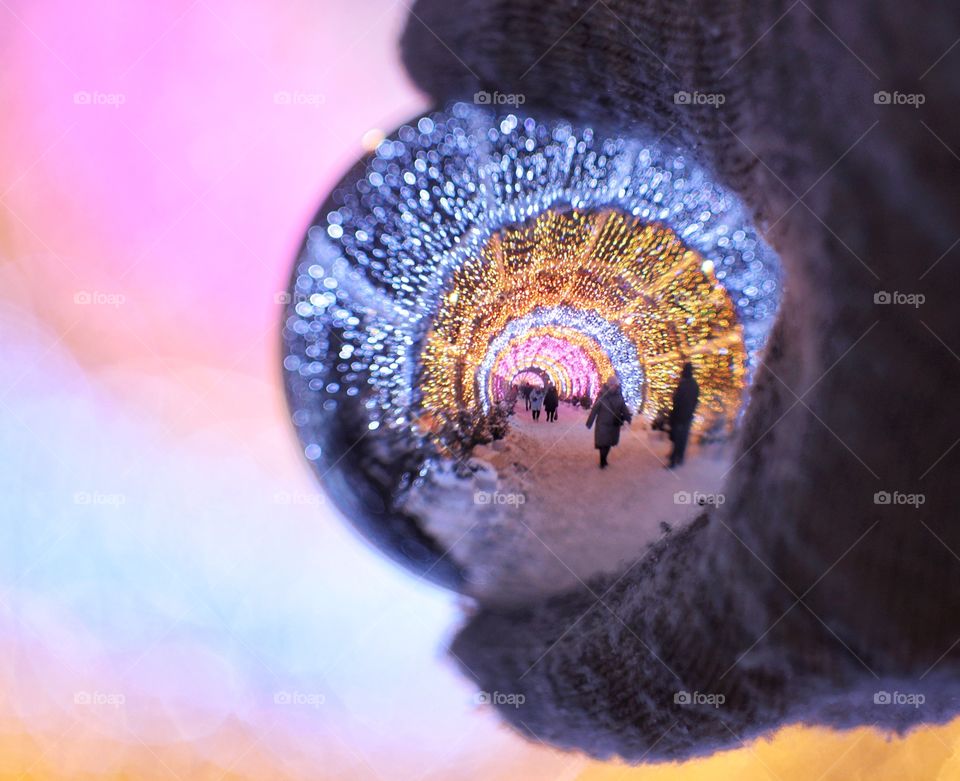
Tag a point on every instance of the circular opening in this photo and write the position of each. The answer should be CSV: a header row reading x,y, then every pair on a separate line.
x,y
470,293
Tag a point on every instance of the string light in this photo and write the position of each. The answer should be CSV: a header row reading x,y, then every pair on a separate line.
x,y
610,350
575,363
661,295
468,244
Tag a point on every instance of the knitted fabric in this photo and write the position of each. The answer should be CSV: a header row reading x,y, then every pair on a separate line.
x,y
802,598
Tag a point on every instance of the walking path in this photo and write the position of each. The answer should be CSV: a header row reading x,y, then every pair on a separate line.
x,y
540,516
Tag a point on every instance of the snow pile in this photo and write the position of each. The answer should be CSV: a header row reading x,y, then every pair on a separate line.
x,y
533,515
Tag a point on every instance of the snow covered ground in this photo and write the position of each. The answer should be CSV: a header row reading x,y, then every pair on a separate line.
x,y
539,516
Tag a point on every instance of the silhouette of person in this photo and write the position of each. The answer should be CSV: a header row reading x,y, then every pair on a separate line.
x,y
685,399
609,412
551,400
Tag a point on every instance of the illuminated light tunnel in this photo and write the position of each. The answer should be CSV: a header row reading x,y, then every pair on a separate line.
x,y
641,278
569,359
536,377
470,248
610,350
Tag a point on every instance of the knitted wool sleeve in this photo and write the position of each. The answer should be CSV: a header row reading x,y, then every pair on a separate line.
x,y
803,598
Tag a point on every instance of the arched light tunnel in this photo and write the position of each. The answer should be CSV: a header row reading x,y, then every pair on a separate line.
x,y
471,250
583,295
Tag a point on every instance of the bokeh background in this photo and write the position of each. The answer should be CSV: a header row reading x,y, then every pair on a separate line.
x,y
177,599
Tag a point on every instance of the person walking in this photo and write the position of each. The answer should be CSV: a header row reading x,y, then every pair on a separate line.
x,y
685,399
551,400
525,392
536,402
609,413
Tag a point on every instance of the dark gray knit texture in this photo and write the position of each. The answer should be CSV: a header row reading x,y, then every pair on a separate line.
x,y
802,598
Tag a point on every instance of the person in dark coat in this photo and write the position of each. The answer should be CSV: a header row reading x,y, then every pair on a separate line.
x,y
609,412
551,400
685,399
525,390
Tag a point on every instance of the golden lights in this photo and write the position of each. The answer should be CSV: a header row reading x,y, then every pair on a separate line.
x,y
641,277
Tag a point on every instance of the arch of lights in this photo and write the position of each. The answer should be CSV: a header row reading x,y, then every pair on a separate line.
x,y
466,230
611,350
640,278
556,368
531,375
573,366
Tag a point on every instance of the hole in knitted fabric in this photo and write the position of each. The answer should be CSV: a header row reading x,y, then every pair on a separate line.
x,y
464,298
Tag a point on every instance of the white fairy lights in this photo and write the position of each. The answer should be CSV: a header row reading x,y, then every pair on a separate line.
x,y
464,231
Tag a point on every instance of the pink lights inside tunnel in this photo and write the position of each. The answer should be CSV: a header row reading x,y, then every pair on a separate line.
x,y
531,377
576,364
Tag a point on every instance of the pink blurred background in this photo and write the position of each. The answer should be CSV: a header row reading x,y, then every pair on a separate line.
x,y
176,598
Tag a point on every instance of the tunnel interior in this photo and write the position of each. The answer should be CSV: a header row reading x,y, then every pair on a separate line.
x,y
583,296
472,253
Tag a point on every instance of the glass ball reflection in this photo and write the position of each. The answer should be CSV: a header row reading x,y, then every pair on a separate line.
x,y
470,249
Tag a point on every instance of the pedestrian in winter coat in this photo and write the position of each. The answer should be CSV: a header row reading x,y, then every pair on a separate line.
x,y
551,400
609,413
685,399
536,402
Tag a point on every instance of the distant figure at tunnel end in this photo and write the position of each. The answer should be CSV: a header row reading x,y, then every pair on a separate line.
x,y
525,390
609,412
685,399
